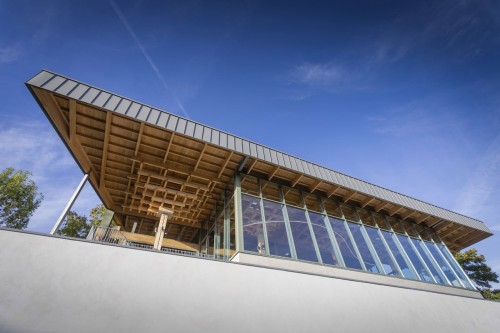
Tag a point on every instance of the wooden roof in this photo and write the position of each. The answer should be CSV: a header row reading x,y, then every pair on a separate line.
x,y
138,163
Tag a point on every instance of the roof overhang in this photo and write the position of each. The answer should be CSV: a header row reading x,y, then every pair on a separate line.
x,y
141,158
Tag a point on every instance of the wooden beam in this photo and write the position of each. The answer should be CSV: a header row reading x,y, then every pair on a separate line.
x,y
72,120
381,206
451,231
296,180
367,202
273,173
315,185
422,219
349,197
332,191
139,138
404,217
225,164
107,130
396,210
172,136
252,165
199,158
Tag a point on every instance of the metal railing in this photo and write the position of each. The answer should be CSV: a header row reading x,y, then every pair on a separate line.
x,y
108,235
115,236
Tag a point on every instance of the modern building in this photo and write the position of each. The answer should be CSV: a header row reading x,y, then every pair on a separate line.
x,y
255,238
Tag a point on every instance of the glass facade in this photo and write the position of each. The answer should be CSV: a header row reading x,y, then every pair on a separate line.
x,y
285,222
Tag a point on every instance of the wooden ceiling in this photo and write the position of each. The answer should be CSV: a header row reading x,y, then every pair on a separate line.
x,y
136,168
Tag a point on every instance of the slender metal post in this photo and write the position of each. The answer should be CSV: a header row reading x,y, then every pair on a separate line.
x,y
69,204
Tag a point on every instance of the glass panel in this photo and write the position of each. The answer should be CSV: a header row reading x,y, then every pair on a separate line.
x,y
395,225
428,261
454,265
400,258
366,217
388,263
301,234
445,267
323,239
425,235
312,203
332,208
349,213
293,197
276,230
381,222
409,228
232,229
351,259
253,232
250,185
415,260
270,191
363,248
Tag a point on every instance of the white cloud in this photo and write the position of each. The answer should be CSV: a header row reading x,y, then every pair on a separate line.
x,y
35,147
10,53
483,182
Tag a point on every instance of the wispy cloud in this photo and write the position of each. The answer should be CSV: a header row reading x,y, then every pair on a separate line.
x,y
10,53
148,58
35,147
483,182
308,79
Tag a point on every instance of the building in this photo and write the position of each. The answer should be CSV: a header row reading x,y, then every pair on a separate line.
x,y
256,239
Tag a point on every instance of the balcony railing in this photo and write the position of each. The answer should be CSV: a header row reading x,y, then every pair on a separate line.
x,y
115,236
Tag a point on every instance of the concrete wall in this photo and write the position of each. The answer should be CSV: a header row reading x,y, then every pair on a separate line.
x,y
51,284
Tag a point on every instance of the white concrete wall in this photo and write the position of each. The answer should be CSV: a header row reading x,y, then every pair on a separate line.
x,y
50,284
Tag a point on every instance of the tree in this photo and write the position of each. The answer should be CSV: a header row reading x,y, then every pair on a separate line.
x,y
79,225
97,215
475,266
19,198
75,226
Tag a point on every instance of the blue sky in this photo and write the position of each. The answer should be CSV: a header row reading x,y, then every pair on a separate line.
x,y
405,95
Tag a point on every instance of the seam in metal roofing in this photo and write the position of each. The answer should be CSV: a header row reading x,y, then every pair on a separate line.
x,y
94,96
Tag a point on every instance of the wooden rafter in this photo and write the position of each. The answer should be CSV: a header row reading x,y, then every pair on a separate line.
x,y
139,138
225,164
332,190
109,119
315,185
296,180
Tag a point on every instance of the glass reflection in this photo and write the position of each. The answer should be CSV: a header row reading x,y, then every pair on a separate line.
x,y
457,269
276,230
363,248
301,234
428,261
253,231
442,264
325,247
399,256
415,260
388,264
344,242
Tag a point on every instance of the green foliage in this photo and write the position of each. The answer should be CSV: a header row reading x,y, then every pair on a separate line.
x,y
97,214
19,198
75,226
491,294
79,225
475,266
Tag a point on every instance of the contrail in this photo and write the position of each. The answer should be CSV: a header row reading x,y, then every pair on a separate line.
x,y
148,58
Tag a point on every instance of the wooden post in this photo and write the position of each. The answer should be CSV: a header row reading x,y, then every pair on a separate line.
x,y
160,231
